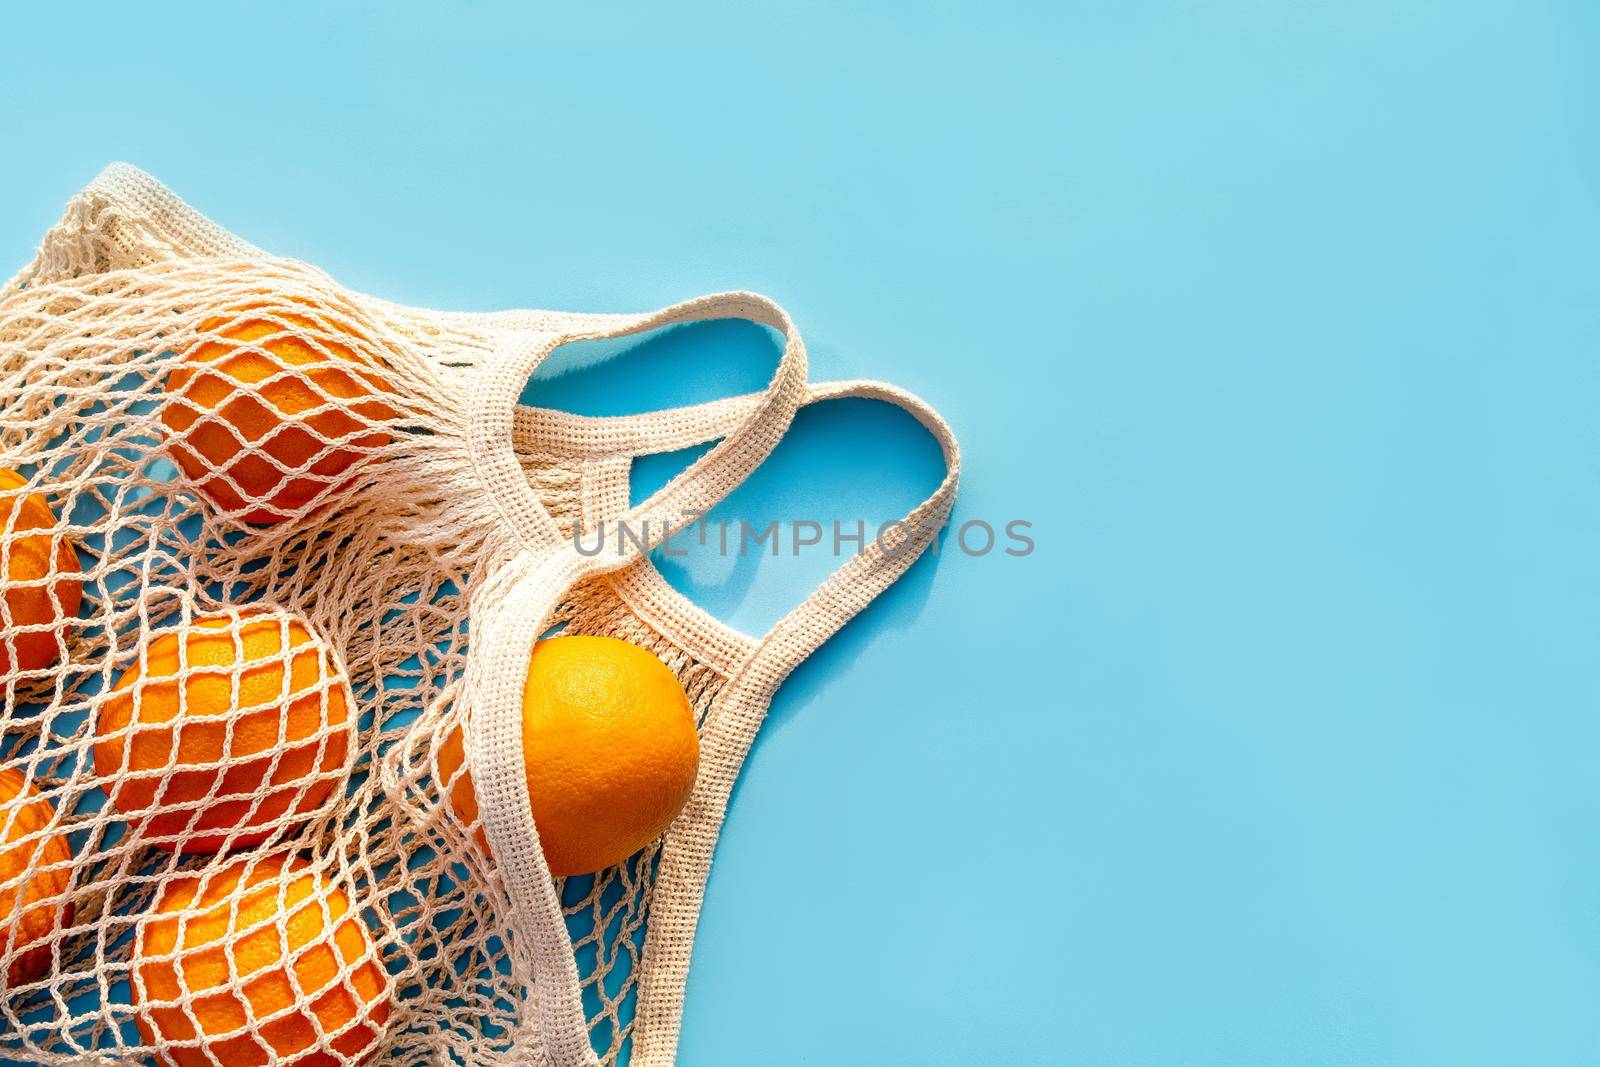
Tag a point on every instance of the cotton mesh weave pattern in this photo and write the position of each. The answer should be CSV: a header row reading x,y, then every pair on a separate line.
x,y
394,546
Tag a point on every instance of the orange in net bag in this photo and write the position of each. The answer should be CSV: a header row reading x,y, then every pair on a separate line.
x,y
40,596
425,537
256,963
225,729
608,747
34,904
265,393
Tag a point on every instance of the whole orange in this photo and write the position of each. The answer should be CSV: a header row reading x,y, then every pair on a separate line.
x,y
609,746
235,946
33,879
206,743
36,593
273,407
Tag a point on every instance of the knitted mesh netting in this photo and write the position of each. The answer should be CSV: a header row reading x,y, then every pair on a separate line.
x,y
302,651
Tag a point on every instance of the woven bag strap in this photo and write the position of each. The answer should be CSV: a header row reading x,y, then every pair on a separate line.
x,y
748,431
880,564
516,608
520,600
547,430
731,727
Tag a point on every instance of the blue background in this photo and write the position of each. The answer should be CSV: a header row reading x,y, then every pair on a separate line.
x,y
1278,321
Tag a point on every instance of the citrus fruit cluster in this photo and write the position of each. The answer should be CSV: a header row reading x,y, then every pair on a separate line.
x,y
236,727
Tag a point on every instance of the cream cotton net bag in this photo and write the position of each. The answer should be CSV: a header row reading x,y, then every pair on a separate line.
x,y
428,505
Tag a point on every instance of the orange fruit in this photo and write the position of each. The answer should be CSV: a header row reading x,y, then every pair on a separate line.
x,y
183,754
33,878
610,749
273,408
31,598
233,946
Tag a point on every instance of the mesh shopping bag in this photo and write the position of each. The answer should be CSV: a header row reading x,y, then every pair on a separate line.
x,y
242,486
610,954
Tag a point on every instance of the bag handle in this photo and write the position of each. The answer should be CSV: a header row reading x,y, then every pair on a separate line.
x,y
729,729
859,581
733,721
517,602
606,446
749,430
587,436
599,437
517,605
